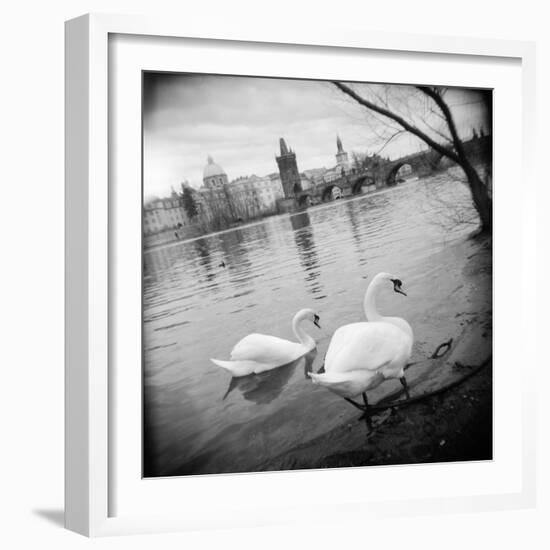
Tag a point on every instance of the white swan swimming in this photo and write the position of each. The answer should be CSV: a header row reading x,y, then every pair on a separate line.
x,y
361,356
257,353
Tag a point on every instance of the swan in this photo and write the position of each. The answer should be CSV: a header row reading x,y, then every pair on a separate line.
x,y
257,353
362,355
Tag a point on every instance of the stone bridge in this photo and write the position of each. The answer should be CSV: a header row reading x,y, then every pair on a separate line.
x,y
385,174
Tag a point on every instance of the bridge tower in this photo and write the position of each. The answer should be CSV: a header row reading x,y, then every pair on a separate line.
x,y
290,177
341,156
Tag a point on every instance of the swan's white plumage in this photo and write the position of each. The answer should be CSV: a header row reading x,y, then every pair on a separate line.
x,y
366,346
362,355
401,324
257,353
237,368
264,348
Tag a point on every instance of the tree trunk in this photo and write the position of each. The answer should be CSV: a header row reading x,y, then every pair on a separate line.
x,y
480,196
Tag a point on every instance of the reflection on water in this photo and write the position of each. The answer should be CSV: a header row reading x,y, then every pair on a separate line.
x,y
198,420
305,245
268,385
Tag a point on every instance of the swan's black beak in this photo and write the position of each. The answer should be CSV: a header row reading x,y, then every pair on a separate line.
x,y
397,287
316,321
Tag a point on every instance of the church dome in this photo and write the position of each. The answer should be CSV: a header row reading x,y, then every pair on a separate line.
x,y
212,169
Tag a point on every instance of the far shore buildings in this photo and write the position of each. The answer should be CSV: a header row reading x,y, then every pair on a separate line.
x,y
296,182
220,201
239,199
162,214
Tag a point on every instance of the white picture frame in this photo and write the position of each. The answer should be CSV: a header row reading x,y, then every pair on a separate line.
x,y
91,224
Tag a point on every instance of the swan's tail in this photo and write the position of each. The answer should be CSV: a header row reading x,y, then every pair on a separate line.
x,y
229,365
324,379
236,368
348,384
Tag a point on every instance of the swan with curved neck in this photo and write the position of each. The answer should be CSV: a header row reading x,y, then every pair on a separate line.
x,y
257,353
362,355
379,282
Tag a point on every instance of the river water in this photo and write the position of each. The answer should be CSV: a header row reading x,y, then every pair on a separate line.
x,y
197,419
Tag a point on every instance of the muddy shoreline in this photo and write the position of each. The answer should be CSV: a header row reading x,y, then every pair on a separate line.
x,y
456,425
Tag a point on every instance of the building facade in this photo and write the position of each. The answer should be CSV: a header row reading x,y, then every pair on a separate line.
x,y
267,191
163,214
315,175
343,166
222,202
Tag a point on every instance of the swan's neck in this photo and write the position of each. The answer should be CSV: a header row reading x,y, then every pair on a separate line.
x,y
301,334
369,303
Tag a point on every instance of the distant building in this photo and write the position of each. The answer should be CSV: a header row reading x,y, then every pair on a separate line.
x,y
334,174
256,194
315,175
342,167
268,191
290,177
341,156
163,214
306,182
242,195
222,201
214,177
276,184
212,196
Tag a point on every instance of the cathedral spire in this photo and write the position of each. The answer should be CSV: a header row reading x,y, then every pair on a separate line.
x,y
284,148
339,144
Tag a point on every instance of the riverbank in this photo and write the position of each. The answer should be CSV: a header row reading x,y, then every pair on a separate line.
x,y
450,425
453,426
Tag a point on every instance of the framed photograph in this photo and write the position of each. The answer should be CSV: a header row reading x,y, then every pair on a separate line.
x,y
292,275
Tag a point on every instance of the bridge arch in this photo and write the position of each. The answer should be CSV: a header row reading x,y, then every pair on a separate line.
x,y
361,183
332,192
398,172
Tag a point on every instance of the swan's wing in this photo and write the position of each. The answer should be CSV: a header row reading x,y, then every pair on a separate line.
x,y
338,341
264,349
366,346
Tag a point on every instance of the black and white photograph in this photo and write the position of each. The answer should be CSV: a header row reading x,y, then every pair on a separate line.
x,y
317,274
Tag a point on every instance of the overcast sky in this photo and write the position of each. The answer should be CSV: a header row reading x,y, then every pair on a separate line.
x,y
239,120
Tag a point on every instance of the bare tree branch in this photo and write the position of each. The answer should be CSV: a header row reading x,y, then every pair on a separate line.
x,y
433,94
394,135
449,153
